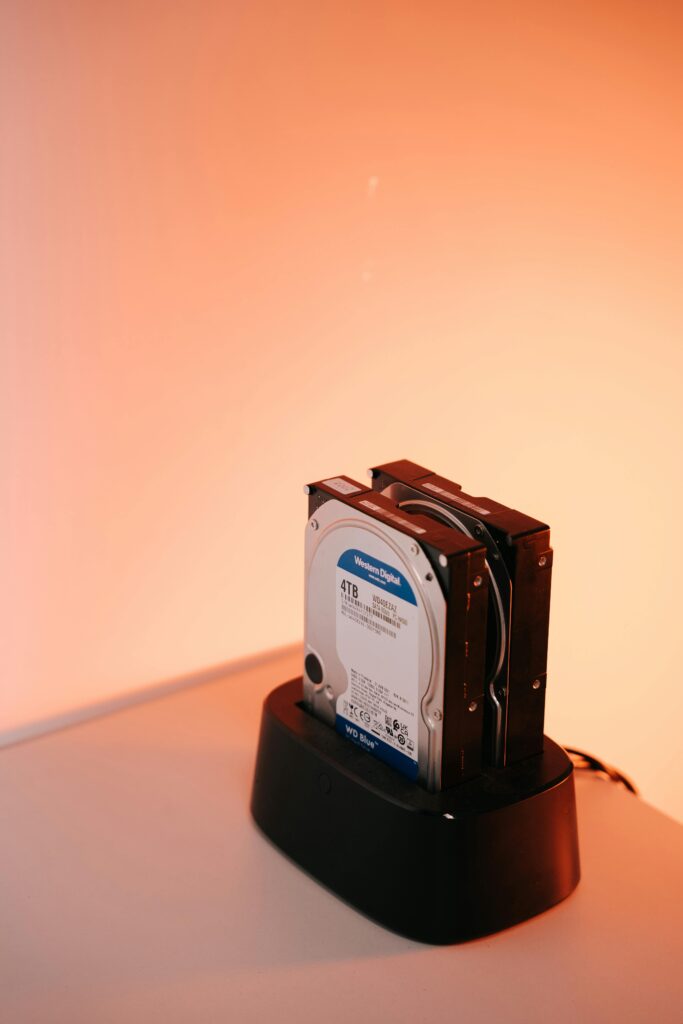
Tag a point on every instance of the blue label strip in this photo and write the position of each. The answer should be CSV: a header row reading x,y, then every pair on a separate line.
x,y
381,574
401,762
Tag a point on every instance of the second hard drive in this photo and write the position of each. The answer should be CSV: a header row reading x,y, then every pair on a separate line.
x,y
519,559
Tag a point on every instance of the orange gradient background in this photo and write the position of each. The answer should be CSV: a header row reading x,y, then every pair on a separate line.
x,y
247,245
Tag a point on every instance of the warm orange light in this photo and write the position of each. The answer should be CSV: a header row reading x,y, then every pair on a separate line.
x,y
247,246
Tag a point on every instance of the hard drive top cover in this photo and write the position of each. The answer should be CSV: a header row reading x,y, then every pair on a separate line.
x,y
508,521
442,539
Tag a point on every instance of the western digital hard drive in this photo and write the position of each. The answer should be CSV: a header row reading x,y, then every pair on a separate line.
x,y
395,632
519,560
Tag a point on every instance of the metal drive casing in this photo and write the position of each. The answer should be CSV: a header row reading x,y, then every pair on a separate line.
x,y
519,559
395,627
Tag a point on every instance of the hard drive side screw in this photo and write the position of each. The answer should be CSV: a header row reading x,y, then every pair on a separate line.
x,y
314,524
478,530
542,560
437,715
477,581
472,706
414,549
429,577
536,685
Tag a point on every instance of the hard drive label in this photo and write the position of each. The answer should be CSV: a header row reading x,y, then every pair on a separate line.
x,y
442,492
341,486
377,635
387,514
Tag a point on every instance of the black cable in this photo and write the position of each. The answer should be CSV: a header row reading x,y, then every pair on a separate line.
x,y
589,763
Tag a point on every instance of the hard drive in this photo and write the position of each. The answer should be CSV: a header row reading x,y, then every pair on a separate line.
x,y
395,632
519,560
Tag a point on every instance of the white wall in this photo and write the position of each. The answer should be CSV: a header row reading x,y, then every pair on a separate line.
x,y
243,246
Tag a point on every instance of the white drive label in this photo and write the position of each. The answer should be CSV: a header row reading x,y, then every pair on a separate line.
x,y
458,498
377,642
392,515
342,486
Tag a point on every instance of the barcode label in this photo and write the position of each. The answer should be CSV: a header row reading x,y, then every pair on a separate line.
x,y
457,497
392,516
341,486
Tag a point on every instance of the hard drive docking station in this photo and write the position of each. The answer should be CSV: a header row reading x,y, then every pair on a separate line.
x,y
407,769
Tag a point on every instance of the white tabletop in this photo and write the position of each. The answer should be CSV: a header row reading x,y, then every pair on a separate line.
x,y
136,888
